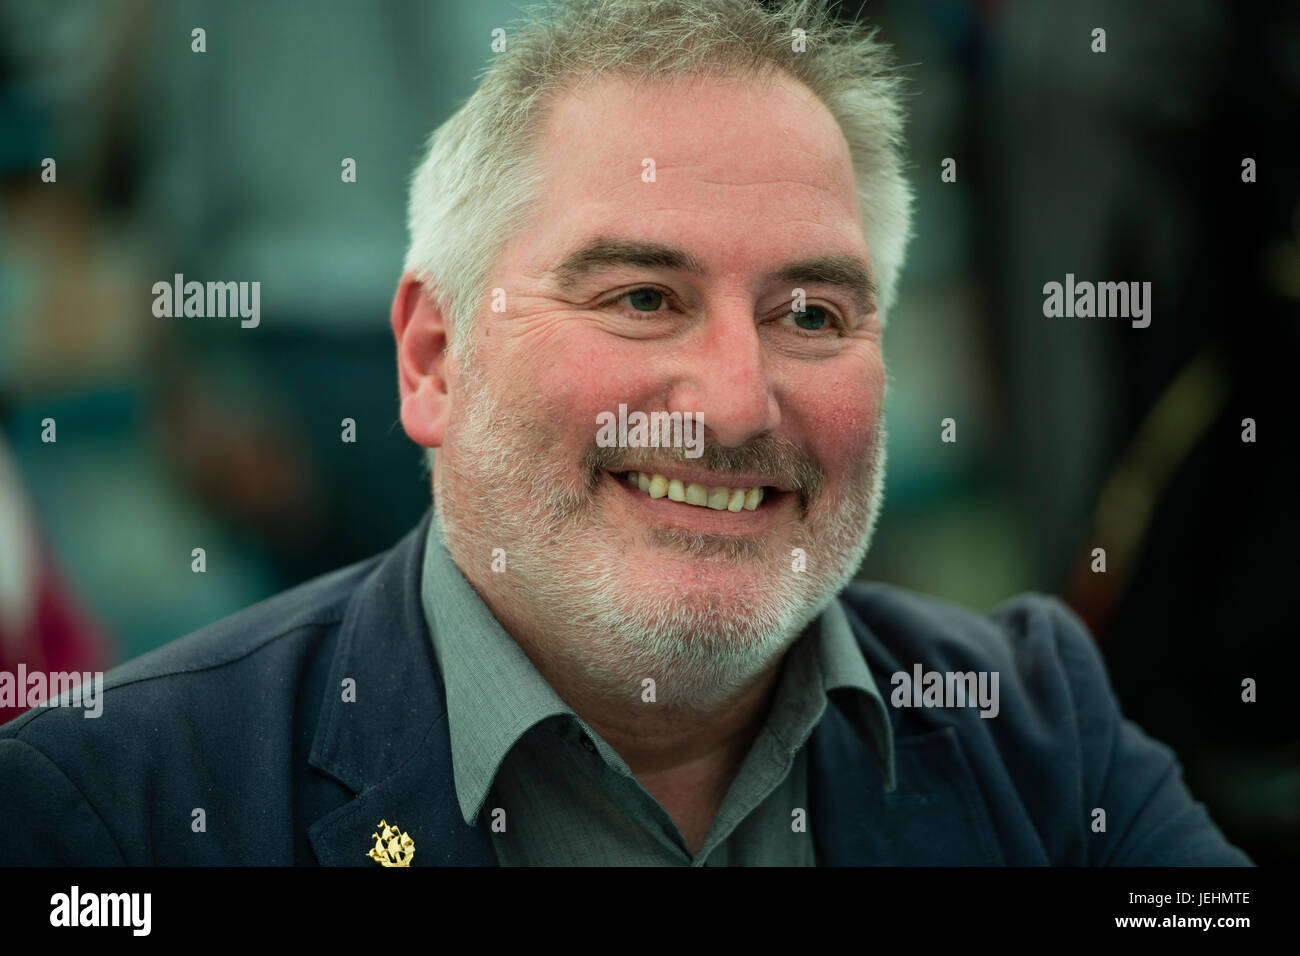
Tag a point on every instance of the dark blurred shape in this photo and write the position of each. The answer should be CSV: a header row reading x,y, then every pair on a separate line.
x,y
1127,165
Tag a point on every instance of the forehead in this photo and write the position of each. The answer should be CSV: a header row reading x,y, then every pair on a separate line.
x,y
745,169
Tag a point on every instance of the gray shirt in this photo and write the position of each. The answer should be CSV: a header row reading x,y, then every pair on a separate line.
x,y
553,792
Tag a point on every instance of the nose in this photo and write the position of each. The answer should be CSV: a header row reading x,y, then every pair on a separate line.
x,y
726,379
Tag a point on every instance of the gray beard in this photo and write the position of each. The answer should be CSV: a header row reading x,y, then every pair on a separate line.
x,y
569,579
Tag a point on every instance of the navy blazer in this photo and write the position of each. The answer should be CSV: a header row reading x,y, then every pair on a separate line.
x,y
245,720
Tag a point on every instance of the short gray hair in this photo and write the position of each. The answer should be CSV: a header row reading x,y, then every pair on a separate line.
x,y
479,178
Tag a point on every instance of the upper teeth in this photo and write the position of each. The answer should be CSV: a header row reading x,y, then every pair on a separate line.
x,y
716,497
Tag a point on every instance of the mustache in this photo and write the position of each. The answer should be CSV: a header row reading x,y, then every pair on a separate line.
x,y
786,462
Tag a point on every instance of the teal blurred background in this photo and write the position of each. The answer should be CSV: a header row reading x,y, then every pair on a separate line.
x,y
1073,434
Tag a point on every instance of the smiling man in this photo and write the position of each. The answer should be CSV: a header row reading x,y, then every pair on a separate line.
x,y
631,653
661,295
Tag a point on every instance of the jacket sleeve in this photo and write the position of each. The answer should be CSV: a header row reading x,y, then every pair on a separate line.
x,y
45,820
1151,818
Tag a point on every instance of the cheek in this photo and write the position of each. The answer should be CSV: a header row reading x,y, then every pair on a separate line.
x,y
839,411
572,379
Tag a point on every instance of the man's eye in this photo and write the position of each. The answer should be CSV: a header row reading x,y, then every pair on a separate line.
x,y
643,300
813,319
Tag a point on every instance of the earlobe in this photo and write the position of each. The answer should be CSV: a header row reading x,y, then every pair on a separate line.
x,y
420,330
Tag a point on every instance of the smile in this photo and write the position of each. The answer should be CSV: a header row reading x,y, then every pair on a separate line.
x,y
717,497
680,499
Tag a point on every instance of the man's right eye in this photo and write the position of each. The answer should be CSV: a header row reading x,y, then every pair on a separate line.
x,y
645,299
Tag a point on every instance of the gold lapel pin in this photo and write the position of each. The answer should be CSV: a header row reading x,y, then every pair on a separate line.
x,y
392,846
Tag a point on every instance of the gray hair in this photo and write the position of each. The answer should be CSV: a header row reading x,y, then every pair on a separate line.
x,y
479,179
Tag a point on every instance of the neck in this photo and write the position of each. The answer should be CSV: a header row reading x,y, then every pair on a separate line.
x,y
653,736
685,751
685,758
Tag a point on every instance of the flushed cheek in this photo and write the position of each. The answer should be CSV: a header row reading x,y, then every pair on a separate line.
x,y
840,414
574,384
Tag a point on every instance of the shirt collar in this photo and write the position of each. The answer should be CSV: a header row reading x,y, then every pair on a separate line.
x,y
495,695
844,669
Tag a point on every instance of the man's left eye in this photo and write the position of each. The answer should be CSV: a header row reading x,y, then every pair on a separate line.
x,y
814,318
643,300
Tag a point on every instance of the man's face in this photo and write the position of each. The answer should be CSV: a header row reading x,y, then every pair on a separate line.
x,y
748,178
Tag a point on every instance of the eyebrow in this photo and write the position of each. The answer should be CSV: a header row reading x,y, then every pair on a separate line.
x,y
846,272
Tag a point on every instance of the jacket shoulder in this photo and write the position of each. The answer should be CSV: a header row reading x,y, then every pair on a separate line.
x,y
321,601
211,720
1093,787
317,603
911,626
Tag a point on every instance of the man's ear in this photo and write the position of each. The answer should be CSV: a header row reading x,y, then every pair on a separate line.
x,y
421,331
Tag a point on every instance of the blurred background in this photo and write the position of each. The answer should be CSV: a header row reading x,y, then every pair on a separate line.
x,y
1072,434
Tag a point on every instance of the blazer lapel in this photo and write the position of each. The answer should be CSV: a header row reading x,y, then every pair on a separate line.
x,y
391,745
933,816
